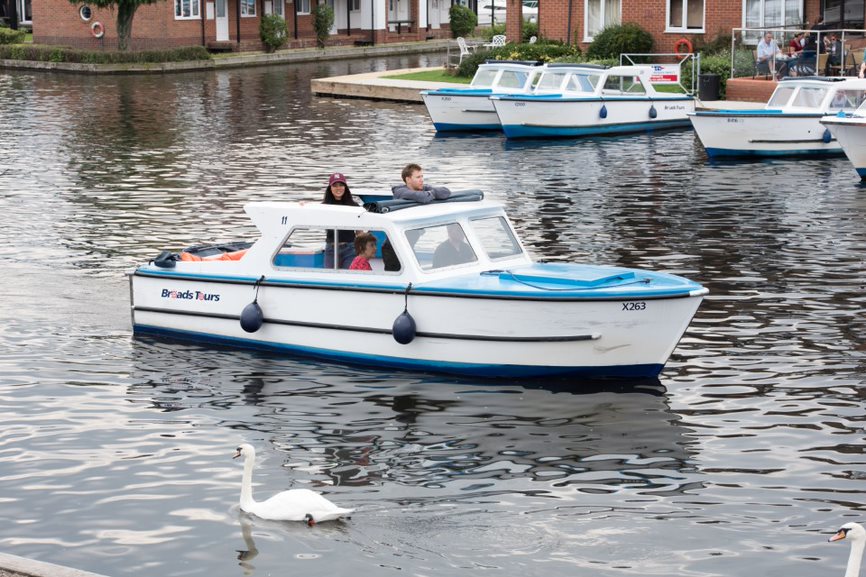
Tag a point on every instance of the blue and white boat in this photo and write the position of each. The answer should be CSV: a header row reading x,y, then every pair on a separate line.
x,y
470,109
788,125
451,289
582,100
849,129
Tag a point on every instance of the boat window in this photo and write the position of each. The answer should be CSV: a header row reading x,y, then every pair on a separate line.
x,y
496,237
483,78
440,246
582,83
847,99
550,81
314,248
512,79
809,97
617,84
781,97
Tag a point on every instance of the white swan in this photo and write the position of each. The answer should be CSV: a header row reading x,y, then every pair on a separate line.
x,y
857,535
294,505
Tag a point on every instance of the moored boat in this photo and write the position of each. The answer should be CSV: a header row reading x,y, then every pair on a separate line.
x,y
788,125
849,129
451,289
470,109
572,100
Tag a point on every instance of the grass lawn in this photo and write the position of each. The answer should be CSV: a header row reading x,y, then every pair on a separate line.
x,y
431,76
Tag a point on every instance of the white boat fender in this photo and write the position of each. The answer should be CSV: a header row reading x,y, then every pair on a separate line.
x,y
166,259
403,330
652,111
827,137
252,317
603,112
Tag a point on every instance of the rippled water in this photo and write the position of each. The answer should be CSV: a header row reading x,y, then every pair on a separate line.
x,y
115,453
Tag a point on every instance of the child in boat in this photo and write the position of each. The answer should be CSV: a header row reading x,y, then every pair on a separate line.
x,y
365,248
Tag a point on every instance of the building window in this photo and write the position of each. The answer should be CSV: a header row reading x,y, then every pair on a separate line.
x,y
248,8
278,8
843,13
599,14
355,5
686,15
186,9
303,6
773,13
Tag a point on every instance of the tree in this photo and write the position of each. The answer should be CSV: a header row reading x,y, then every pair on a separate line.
x,y
323,19
125,12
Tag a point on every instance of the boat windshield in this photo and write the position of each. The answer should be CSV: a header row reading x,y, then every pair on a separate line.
x,y
440,246
582,82
483,78
847,99
496,236
512,79
809,97
781,96
550,81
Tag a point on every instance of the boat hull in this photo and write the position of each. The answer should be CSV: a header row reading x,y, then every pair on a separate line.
x,y
542,118
452,111
457,332
739,133
851,135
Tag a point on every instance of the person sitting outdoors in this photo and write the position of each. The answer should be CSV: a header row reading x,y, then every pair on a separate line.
x,y
768,52
454,249
413,187
337,192
797,43
834,53
365,248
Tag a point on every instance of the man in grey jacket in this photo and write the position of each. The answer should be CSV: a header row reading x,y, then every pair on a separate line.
x,y
413,187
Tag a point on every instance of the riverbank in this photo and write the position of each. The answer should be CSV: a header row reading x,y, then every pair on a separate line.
x,y
236,60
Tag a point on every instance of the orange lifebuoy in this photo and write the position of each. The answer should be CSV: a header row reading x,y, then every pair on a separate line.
x,y
97,29
685,43
236,255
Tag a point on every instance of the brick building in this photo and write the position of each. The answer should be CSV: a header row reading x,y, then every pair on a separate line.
x,y
234,24
576,21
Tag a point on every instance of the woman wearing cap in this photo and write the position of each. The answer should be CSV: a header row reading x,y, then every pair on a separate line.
x,y
338,192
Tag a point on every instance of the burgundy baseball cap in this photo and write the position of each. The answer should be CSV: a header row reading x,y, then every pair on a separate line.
x,y
336,177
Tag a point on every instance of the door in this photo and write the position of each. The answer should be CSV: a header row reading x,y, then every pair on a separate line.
x,y
222,20
434,17
333,5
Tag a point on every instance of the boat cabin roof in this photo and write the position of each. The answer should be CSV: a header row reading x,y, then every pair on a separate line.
x,y
817,94
591,80
506,74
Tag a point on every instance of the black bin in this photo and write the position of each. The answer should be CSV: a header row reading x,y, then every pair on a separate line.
x,y
709,87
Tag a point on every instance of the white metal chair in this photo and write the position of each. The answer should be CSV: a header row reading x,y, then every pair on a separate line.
x,y
497,41
533,39
465,49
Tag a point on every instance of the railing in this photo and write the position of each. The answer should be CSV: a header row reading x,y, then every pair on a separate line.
x,y
819,56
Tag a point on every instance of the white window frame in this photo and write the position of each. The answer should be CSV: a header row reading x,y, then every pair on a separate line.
x,y
586,36
355,5
763,23
281,11
685,29
245,8
194,9
302,4
22,12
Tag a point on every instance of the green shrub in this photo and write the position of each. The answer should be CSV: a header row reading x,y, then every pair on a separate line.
x,y
490,32
720,43
273,31
58,54
9,36
720,64
529,30
463,21
616,40
323,20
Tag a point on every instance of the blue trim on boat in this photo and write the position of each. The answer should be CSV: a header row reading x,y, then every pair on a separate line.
x,y
722,152
461,287
560,98
862,173
758,113
518,131
450,127
459,92
467,369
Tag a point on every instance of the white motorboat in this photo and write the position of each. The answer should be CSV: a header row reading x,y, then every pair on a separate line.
x,y
788,125
451,289
470,109
849,130
581,100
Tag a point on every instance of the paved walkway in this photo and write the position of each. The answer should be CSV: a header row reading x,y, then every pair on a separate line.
x,y
14,566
